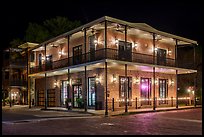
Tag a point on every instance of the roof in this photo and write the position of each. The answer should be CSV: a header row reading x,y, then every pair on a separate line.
x,y
141,26
28,45
145,27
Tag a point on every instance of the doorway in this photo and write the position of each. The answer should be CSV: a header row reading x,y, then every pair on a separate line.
x,y
123,87
125,51
49,62
163,91
64,87
91,91
77,95
145,89
161,56
77,55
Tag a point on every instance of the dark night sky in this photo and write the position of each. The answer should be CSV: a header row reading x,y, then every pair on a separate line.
x,y
179,17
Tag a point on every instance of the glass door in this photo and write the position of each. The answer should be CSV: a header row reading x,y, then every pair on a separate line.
x,y
49,62
161,56
77,95
77,54
163,91
125,88
64,92
145,89
125,51
91,91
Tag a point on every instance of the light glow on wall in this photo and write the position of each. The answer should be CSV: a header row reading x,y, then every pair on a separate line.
x,y
169,52
95,41
136,80
55,84
114,79
98,79
116,42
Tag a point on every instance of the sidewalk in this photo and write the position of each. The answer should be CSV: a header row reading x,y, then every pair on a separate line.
x,y
122,111
64,112
48,113
150,110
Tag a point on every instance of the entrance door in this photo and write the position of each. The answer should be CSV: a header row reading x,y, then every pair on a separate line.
x,y
161,56
163,91
64,92
145,89
49,62
40,61
51,98
125,51
91,91
77,95
125,88
77,55
41,97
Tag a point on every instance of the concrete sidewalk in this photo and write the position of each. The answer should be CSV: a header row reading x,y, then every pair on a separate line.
x,y
64,112
122,111
49,113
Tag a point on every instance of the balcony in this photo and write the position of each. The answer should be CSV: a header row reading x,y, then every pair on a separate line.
x,y
18,62
99,55
17,83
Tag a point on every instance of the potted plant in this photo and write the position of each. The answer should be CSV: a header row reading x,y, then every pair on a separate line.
x,y
80,102
68,103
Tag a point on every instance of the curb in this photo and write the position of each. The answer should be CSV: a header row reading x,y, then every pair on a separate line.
x,y
152,111
82,112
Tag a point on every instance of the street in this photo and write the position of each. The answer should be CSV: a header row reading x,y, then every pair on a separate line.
x,y
176,122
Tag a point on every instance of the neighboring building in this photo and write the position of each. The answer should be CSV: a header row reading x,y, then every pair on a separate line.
x,y
105,59
14,77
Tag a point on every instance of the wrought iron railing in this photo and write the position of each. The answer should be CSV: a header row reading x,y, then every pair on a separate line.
x,y
100,54
17,83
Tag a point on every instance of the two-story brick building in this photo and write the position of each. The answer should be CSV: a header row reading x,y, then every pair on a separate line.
x,y
105,59
14,77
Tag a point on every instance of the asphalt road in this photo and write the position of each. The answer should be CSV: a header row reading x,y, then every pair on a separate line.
x,y
177,122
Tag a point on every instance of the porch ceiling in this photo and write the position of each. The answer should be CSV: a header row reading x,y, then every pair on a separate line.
x,y
147,67
113,64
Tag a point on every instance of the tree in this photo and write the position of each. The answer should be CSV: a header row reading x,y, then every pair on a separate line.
x,y
16,42
38,33
59,25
